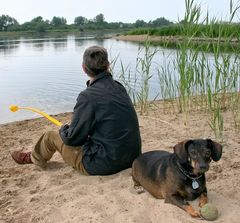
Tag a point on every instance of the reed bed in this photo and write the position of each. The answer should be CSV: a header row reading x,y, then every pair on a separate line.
x,y
193,79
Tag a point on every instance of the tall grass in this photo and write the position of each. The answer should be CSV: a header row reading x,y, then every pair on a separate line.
x,y
195,79
137,82
143,69
210,85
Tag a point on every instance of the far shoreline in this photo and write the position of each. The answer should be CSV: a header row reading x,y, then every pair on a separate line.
x,y
169,39
108,33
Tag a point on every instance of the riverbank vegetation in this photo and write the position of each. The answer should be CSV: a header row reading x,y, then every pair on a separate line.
x,y
193,80
38,24
197,30
203,36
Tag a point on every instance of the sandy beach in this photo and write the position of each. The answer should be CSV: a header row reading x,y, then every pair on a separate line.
x,y
61,194
143,38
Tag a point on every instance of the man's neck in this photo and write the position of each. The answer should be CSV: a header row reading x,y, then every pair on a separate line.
x,y
91,79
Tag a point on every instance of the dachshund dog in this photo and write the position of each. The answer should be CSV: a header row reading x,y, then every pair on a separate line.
x,y
180,176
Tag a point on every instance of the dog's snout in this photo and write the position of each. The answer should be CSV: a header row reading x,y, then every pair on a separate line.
x,y
203,167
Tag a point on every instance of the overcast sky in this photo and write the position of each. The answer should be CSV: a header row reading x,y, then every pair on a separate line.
x,y
113,10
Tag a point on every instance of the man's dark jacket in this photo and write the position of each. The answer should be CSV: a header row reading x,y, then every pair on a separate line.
x,y
105,124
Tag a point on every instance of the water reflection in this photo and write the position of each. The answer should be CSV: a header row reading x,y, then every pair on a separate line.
x,y
60,44
99,42
79,42
39,46
8,47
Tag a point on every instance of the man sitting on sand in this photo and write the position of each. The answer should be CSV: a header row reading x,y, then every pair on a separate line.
x,y
103,137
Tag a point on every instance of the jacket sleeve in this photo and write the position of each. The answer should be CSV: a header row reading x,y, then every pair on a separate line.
x,y
77,132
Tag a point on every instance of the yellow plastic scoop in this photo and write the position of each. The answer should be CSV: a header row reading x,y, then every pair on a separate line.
x,y
15,108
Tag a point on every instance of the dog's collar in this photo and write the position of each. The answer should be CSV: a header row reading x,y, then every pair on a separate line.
x,y
186,173
195,184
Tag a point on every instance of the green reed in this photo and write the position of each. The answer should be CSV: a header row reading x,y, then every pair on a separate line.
x,y
203,82
195,79
129,80
143,70
136,81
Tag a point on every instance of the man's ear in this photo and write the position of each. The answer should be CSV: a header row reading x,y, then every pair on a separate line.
x,y
84,68
181,150
216,149
108,68
87,70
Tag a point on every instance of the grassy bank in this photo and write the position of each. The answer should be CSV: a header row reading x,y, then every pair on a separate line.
x,y
202,37
226,30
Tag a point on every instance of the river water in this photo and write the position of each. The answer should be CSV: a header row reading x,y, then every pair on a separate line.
x,y
46,73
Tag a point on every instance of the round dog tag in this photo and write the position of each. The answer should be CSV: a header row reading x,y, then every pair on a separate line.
x,y
195,185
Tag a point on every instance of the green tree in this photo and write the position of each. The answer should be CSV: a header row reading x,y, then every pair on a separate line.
x,y
99,19
58,21
140,23
38,19
80,20
160,22
40,27
7,22
36,24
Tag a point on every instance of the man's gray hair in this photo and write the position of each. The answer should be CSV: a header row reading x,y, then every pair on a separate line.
x,y
95,59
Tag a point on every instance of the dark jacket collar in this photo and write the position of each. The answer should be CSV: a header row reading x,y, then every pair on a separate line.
x,y
98,77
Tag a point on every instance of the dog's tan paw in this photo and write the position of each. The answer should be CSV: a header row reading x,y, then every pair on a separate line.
x,y
195,214
203,200
191,211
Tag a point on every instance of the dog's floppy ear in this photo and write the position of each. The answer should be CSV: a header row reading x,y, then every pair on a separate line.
x,y
181,150
216,149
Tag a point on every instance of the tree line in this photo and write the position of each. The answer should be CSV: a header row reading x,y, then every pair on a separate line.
x,y
38,24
